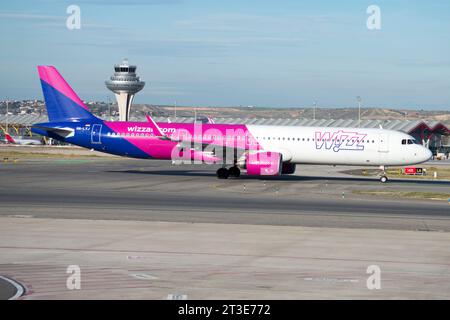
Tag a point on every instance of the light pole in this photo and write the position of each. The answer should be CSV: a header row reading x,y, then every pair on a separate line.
x,y
175,110
7,111
109,107
314,110
359,111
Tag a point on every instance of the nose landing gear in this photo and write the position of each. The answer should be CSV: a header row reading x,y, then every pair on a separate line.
x,y
383,175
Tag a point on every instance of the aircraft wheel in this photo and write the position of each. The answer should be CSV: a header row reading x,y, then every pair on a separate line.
x,y
234,172
223,173
383,179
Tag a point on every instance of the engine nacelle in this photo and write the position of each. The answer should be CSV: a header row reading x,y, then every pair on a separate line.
x,y
288,168
264,164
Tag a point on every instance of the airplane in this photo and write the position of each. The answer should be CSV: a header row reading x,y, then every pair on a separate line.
x,y
262,150
21,141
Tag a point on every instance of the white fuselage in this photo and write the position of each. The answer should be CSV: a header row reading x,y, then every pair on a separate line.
x,y
340,146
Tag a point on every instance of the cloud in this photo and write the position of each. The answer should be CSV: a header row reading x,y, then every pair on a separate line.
x,y
29,16
50,21
422,63
248,22
161,48
129,3
225,22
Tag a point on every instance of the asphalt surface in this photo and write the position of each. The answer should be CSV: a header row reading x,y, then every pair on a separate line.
x,y
158,191
130,226
7,289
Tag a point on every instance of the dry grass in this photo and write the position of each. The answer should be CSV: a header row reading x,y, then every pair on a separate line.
x,y
443,172
11,155
406,194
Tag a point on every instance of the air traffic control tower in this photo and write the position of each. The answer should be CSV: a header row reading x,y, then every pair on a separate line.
x,y
125,84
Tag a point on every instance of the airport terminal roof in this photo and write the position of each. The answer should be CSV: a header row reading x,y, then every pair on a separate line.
x,y
399,125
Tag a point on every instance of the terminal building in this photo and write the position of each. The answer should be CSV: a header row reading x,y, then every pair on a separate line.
x,y
432,134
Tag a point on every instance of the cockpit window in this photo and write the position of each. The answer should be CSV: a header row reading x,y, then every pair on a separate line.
x,y
404,141
410,141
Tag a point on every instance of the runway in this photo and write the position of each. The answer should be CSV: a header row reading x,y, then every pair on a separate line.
x,y
10,289
149,230
158,191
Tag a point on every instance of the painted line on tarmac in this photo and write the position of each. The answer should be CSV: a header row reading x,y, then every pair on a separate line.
x,y
20,289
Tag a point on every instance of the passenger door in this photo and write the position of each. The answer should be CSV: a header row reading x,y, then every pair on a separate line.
x,y
96,134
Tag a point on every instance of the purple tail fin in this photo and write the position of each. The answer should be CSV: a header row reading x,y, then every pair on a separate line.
x,y
61,101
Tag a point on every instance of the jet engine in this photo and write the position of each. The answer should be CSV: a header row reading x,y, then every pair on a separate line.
x,y
288,168
263,164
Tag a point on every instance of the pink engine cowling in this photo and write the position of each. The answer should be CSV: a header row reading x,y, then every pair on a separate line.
x,y
264,164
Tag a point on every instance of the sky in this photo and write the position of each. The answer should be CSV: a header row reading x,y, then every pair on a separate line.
x,y
237,52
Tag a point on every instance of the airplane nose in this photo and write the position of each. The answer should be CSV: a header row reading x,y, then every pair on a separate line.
x,y
427,154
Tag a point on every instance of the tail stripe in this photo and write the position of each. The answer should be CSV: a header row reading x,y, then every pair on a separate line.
x,y
61,101
52,77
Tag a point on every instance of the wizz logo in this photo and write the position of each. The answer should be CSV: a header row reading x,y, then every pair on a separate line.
x,y
340,140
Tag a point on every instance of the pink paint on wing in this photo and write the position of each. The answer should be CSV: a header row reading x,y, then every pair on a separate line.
x,y
210,132
50,75
152,145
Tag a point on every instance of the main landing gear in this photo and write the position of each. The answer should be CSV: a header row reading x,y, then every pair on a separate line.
x,y
383,174
224,173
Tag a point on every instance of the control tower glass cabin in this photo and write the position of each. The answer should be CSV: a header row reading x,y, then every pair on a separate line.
x,y
125,84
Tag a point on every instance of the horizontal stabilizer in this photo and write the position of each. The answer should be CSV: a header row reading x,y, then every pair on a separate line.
x,y
63,132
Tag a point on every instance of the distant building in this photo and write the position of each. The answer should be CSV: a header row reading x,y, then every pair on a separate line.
x,y
432,134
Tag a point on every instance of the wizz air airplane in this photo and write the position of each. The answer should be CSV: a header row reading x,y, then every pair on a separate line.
x,y
260,150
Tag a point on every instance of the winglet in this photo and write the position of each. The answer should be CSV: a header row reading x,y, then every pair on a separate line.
x,y
156,129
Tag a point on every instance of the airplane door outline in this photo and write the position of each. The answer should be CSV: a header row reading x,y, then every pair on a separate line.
x,y
96,134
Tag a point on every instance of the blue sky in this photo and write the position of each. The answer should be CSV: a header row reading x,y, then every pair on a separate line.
x,y
236,52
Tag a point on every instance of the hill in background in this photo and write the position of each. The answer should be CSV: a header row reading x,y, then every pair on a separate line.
x,y
297,113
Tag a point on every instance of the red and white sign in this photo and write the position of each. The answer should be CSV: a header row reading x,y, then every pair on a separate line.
x,y
410,170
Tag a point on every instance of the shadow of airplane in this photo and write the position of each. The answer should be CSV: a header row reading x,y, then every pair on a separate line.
x,y
198,173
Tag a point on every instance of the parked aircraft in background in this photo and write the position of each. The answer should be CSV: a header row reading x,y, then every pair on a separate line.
x,y
21,141
260,150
